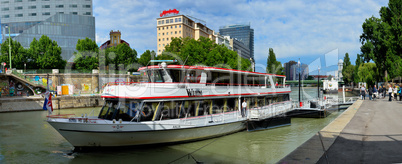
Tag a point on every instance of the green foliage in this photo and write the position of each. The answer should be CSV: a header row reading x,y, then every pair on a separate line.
x,y
274,66
146,57
205,52
19,55
367,73
347,78
310,78
329,77
359,61
348,73
87,57
121,57
382,40
49,56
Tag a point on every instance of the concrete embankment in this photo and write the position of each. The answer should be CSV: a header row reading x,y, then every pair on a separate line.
x,y
367,132
16,104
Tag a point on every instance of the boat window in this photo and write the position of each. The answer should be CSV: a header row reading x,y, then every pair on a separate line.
x,y
109,109
148,110
268,100
144,77
155,75
127,110
261,101
176,75
170,110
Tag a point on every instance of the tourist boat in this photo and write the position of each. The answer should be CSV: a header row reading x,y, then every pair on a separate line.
x,y
176,103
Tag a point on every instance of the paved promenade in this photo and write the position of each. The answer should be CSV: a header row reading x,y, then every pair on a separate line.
x,y
367,132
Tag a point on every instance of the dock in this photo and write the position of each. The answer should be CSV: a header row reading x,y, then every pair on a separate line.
x,y
367,132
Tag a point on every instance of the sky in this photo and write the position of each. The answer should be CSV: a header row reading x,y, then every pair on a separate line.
x,y
318,32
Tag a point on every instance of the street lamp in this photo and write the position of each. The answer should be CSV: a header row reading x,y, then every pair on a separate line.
x,y
318,83
298,64
9,45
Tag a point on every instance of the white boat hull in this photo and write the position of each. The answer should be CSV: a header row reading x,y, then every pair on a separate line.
x,y
94,136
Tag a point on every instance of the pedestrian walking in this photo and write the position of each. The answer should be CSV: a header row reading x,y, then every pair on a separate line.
x,y
363,92
370,92
390,92
395,93
375,92
400,93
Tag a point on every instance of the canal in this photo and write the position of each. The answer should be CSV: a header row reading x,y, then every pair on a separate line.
x,y
25,137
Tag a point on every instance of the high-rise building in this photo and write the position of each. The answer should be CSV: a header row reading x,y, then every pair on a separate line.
x,y
63,21
171,25
243,33
288,71
234,44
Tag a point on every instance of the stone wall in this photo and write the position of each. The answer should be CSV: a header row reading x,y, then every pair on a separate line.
x,y
36,103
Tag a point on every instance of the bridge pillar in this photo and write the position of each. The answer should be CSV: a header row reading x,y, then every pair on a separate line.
x,y
95,80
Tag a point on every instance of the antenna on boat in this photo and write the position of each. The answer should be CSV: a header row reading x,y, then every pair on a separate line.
x,y
185,61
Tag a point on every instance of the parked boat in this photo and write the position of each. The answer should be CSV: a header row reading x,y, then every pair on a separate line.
x,y
330,86
177,103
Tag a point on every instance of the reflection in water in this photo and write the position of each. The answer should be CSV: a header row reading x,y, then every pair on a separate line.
x,y
25,137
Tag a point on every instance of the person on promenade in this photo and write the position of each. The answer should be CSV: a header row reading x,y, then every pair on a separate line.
x,y
243,108
375,92
370,92
380,92
395,93
400,93
363,92
390,92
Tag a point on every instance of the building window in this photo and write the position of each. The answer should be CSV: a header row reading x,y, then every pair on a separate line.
x,y
32,14
180,33
19,8
61,12
163,45
167,21
5,16
163,28
167,33
175,32
45,6
86,6
18,1
163,33
74,13
171,20
175,26
159,22
160,46
87,13
179,19
159,39
171,32
5,9
163,39
159,50
31,0
175,20
46,13
163,21
167,39
59,6
73,6
31,7
4,2
45,0
18,15
179,26
159,34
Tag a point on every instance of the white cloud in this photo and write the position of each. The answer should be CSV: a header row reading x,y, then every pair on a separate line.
x,y
291,27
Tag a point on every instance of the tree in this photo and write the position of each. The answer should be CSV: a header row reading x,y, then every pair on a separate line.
x,y
19,55
205,52
359,61
382,40
346,64
329,77
49,56
146,57
121,57
87,57
348,73
367,73
273,66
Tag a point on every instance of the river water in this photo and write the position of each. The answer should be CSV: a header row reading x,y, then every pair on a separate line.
x,y
25,137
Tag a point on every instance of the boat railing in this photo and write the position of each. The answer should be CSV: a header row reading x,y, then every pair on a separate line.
x,y
268,111
187,83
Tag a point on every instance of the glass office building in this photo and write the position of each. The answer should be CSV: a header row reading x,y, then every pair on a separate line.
x,y
63,21
243,33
